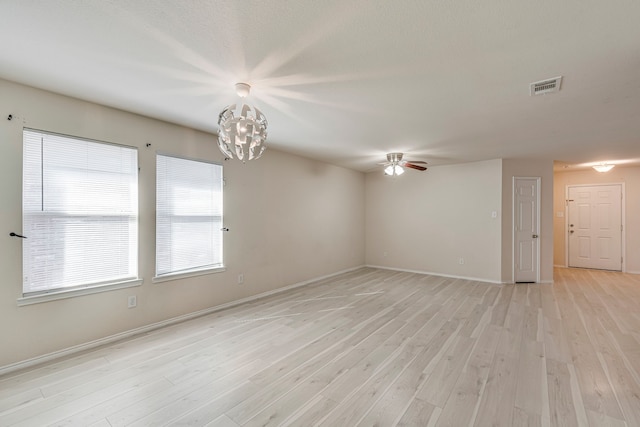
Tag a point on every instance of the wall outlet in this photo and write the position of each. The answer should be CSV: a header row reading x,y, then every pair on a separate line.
x,y
384,254
240,279
132,301
461,261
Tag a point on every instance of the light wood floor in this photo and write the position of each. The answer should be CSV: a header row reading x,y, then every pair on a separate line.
x,y
368,348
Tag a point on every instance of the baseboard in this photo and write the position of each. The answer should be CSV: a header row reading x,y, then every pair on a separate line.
x,y
29,363
477,279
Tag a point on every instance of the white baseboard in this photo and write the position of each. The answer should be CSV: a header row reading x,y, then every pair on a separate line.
x,y
477,279
147,328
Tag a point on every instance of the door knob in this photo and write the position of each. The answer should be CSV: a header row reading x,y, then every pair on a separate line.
x,y
535,236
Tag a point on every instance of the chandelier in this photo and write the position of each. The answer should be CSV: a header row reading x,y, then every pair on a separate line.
x,y
243,129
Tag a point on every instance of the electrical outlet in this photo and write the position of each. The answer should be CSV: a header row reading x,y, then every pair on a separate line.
x,y
240,279
384,254
461,261
132,301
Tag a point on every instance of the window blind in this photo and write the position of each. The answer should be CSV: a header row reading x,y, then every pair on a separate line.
x,y
80,212
188,215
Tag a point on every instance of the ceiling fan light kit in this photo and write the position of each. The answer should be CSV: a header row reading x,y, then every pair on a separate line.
x,y
396,170
243,129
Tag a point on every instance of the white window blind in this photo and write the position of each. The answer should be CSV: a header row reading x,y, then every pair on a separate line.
x,y
80,212
188,215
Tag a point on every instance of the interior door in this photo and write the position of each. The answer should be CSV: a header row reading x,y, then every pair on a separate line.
x,y
595,226
526,214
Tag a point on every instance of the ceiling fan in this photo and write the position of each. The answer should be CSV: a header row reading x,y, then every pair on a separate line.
x,y
395,165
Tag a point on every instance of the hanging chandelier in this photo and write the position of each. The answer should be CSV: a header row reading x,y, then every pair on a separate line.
x,y
243,129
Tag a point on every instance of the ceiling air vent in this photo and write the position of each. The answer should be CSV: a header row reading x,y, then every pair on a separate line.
x,y
545,86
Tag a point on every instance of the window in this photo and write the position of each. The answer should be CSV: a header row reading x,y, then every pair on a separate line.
x,y
80,213
188,216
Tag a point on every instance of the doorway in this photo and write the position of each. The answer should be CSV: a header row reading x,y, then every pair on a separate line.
x,y
526,220
595,226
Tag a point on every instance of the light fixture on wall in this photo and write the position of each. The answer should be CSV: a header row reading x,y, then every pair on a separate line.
x,y
243,129
603,167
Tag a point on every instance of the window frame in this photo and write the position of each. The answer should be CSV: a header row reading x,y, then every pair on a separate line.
x,y
196,271
90,287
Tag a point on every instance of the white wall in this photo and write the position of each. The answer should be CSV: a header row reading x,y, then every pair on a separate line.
x,y
291,219
630,176
427,221
528,168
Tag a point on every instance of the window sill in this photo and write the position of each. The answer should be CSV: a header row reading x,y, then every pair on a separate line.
x,y
183,275
77,292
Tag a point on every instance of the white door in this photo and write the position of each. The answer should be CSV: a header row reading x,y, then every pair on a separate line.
x,y
595,226
526,214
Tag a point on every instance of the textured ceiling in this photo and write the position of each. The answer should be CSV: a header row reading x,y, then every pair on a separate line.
x,y
348,81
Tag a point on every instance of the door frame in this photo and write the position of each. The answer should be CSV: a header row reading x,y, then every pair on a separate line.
x,y
513,225
623,209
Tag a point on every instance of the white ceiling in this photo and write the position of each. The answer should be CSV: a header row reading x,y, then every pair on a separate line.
x,y
347,81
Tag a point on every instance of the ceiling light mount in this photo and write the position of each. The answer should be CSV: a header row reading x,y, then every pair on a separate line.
x,y
243,89
243,128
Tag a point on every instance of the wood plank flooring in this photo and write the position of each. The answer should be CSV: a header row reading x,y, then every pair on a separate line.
x,y
367,348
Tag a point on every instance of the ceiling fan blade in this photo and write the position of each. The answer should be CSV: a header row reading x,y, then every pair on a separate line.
x,y
412,166
416,161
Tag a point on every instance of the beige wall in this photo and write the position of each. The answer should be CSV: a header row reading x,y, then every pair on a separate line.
x,y
528,168
427,221
630,176
291,219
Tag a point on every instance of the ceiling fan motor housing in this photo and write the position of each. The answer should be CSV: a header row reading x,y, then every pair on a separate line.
x,y
394,157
